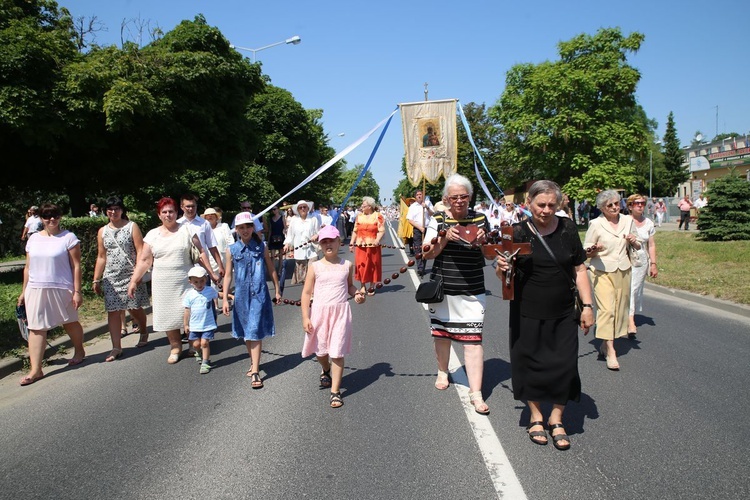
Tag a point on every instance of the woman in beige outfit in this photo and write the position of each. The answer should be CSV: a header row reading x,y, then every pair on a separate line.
x,y
606,244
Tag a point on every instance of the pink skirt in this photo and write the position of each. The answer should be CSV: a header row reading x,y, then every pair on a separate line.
x,y
47,308
332,331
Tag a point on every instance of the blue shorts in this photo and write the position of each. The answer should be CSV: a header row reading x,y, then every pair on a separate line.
x,y
209,335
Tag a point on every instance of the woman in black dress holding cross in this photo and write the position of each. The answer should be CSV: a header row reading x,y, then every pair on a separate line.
x,y
543,323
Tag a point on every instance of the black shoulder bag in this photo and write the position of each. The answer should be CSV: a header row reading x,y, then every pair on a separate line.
x,y
573,286
431,291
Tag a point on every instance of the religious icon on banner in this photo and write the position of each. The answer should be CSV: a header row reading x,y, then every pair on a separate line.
x,y
431,135
429,140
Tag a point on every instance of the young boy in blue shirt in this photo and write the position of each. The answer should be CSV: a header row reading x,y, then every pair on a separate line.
x,y
200,318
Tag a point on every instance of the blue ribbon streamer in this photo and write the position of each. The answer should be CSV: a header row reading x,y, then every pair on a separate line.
x,y
476,152
364,170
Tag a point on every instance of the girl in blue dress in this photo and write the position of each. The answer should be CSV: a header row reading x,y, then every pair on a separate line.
x,y
248,260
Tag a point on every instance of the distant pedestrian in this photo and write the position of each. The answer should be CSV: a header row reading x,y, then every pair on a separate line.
x,y
328,322
661,211
199,319
684,205
249,263
33,223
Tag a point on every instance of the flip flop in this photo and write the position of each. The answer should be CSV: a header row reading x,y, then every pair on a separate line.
x,y
74,361
28,380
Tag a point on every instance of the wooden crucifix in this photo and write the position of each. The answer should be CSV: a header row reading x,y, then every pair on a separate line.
x,y
508,251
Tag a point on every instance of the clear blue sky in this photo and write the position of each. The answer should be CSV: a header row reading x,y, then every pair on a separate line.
x,y
358,60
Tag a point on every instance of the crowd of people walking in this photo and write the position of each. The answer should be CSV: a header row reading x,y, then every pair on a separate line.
x,y
198,266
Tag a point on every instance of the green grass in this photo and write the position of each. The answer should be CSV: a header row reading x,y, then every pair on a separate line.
x,y
11,342
714,268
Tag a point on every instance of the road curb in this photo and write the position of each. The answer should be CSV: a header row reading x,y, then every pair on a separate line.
x,y
723,305
13,364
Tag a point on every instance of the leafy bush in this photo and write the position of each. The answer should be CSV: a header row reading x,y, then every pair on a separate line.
x,y
727,215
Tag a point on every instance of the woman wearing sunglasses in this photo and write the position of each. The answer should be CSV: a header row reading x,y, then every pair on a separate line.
x,y
646,231
51,289
606,244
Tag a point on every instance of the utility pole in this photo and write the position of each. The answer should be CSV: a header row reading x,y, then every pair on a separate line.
x,y
717,120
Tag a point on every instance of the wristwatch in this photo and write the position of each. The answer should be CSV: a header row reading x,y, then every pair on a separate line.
x,y
587,305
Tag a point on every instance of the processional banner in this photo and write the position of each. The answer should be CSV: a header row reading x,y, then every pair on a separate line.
x,y
429,140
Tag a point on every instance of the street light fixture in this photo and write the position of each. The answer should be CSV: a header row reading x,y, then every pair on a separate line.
x,y
291,41
651,169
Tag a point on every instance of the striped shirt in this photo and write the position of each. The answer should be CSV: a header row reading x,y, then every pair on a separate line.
x,y
460,265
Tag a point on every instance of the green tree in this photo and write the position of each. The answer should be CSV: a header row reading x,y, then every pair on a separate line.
x,y
575,120
487,135
37,40
141,117
292,143
727,215
675,173
367,186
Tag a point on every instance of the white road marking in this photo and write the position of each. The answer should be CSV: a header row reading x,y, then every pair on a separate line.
x,y
501,472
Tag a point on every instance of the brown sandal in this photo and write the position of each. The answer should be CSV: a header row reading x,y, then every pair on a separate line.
x,y
142,340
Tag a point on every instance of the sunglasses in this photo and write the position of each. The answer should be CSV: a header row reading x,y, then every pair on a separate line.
x,y
460,197
638,203
48,217
613,204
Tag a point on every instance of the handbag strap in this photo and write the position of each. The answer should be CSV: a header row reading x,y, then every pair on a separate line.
x,y
119,246
534,230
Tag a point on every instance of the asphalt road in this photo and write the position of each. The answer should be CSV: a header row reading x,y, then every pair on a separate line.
x,y
671,424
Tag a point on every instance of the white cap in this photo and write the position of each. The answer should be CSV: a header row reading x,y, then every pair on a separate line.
x,y
243,218
197,272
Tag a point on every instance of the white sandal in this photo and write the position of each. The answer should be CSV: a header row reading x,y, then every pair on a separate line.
x,y
442,382
173,358
475,398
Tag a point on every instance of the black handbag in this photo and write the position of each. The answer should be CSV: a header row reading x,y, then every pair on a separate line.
x,y
430,292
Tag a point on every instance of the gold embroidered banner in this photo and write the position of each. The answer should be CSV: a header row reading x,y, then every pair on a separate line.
x,y
429,140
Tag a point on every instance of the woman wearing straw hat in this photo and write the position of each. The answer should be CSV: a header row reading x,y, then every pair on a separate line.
x,y
300,235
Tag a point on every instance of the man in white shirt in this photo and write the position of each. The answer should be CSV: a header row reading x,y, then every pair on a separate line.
x,y
202,228
418,216
324,217
699,203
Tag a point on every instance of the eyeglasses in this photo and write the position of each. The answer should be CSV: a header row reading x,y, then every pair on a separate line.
x,y
460,197
613,204
48,217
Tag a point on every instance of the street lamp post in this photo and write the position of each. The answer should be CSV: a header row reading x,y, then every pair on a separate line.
x,y
292,41
651,169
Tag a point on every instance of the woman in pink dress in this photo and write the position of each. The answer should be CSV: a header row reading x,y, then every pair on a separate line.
x,y
328,322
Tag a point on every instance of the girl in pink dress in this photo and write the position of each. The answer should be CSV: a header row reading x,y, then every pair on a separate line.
x,y
328,321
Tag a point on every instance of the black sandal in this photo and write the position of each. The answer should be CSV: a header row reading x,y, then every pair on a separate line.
x,y
255,381
336,401
559,437
325,379
537,434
